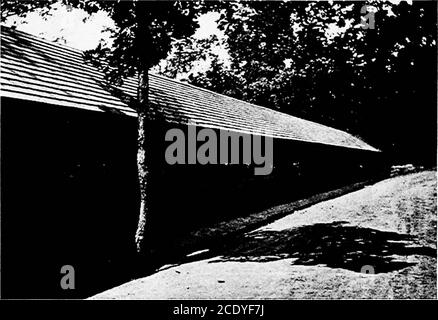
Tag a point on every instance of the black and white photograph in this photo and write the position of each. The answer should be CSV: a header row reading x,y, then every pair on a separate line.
x,y
218,150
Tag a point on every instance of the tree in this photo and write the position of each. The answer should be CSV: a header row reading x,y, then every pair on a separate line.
x,y
142,37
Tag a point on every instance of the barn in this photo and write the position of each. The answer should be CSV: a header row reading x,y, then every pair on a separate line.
x,y
69,181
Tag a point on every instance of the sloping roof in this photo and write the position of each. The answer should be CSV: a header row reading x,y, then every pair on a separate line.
x,y
39,70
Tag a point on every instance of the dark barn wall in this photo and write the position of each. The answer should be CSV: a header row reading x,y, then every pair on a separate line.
x,y
70,195
197,195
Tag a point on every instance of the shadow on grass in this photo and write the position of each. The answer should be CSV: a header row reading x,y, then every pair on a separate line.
x,y
335,245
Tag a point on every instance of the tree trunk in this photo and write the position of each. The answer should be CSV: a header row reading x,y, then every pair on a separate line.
x,y
143,163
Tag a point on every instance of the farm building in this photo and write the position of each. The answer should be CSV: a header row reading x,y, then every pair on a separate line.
x,y
69,175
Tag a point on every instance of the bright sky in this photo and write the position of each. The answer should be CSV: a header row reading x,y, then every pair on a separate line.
x,y
68,26
75,28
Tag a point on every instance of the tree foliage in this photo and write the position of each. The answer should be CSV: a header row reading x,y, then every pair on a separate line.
x,y
314,60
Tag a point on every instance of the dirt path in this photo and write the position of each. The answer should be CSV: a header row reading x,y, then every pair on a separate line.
x,y
388,228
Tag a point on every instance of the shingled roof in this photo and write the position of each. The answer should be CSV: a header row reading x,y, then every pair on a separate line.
x,y
38,70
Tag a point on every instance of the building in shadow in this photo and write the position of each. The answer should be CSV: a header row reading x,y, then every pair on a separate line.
x,y
69,184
